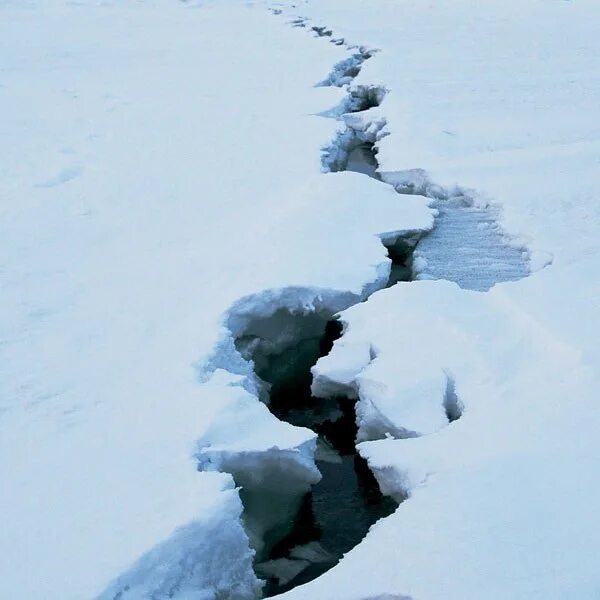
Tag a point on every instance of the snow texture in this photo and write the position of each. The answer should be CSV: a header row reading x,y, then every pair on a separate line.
x,y
161,187
467,246
479,408
157,192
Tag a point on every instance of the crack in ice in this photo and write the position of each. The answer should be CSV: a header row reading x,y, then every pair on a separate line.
x,y
274,340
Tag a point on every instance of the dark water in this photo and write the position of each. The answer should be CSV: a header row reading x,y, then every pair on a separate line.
x,y
338,511
362,159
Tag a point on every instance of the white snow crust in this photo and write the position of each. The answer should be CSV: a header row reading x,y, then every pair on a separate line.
x,y
499,499
159,162
480,408
161,187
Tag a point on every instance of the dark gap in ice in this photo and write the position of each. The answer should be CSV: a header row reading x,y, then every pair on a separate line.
x,y
359,99
299,22
346,70
335,515
400,252
354,148
352,71
303,533
363,97
362,158
452,403
322,31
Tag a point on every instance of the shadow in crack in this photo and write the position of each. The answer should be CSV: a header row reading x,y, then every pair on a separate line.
x,y
362,159
335,515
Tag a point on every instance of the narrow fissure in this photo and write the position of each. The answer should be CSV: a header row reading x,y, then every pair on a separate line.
x,y
363,97
336,513
298,528
400,252
322,31
306,534
452,404
363,159
354,148
346,70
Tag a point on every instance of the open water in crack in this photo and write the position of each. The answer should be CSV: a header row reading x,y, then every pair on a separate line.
x,y
338,511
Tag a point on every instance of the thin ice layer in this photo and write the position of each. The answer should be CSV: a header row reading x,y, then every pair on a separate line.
x,y
468,247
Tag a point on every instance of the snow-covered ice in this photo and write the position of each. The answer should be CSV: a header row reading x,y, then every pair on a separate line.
x,y
499,499
480,407
146,190
161,190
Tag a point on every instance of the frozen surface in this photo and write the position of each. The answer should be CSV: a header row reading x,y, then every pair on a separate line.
x,y
467,247
146,188
480,406
499,497
160,182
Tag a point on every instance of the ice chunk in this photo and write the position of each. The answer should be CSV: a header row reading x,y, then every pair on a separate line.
x,y
326,452
312,552
281,569
410,405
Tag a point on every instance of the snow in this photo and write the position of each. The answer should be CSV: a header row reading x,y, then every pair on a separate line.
x,y
161,186
264,453
147,188
500,495
480,407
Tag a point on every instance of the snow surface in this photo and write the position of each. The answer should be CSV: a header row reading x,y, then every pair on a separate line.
x,y
146,188
160,186
495,101
500,499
